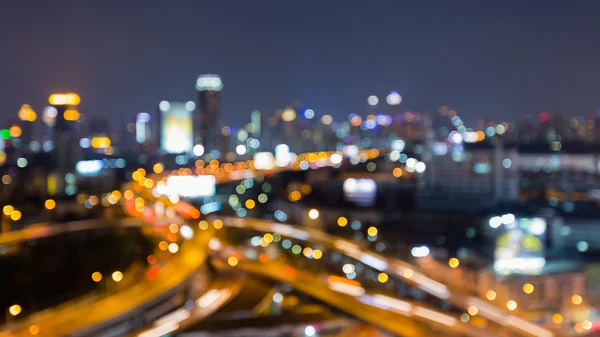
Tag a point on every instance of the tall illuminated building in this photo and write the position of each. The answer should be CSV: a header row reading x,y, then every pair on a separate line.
x,y
207,130
64,143
176,127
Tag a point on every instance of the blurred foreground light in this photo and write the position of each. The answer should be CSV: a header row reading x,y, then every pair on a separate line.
x,y
472,310
313,214
198,150
453,262
232,261
64,99
326,119
342,221
14,309
50,204
393,98
421,251
511,305
8,209
373,100
27,114
34,329
372,231
173,248
310,331
528,288
288,114
96,276
15,215
490,295
71,115
117,276
277,298
100,142
576,299
557,318
382,278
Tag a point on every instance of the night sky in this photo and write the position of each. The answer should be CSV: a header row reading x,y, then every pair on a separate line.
x,y
497,60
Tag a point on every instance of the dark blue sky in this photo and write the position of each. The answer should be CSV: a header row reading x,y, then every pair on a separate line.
x,y
494,59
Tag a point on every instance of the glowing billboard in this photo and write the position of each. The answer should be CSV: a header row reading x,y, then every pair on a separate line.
x,y
520,246
176,127
191,186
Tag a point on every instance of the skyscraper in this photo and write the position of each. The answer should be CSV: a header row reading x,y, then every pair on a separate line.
x,y
206,121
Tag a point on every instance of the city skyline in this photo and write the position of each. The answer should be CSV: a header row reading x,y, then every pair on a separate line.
x,y
409,48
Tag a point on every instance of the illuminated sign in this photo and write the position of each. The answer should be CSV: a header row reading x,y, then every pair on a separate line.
x,y
176,127
360,191
520,244
191,186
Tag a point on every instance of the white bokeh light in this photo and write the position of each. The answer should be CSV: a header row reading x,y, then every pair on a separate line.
x,y
393,98
373,100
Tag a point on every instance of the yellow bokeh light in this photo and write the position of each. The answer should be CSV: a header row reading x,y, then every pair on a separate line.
x,y
64,99
71,115
158,168
128,194
268,238
372,231
511,305
102,143
117,276
173,248
14,309
408,273
490,295
382,278
528,288
96,276
27,114
307,252
203,225
317,254
472,310
313,214
342,221
15,131
15,215
8,209
397,172
453,262
218,224
173,228
50,204
34,329
576,299
163,245
294,196
557,318
250,204
232,261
